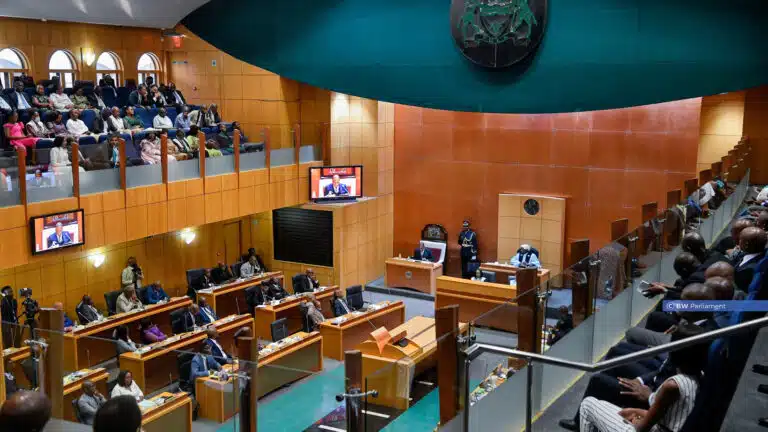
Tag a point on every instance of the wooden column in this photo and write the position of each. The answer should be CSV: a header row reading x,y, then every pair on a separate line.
x,y
705,176
529,315
297,145
619,230
582,295
21,156
267,148
248,353
76,170
121,151
51,324
353,380
164,156
690,186
201,152
447,331
236,143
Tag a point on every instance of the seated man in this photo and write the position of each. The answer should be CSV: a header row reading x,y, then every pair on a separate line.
x,y
562,326
127,301
60,237
202,282
728,244
526,257
339,304
311,307
752,241
250,268
686,266
190,319
68,324
221,274
263,295
202,363
205,315
156,294
217,351
89,402
336,188
276,290
422,253
307,283
87,312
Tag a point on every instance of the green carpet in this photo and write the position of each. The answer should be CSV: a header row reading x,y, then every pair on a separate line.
x,y
422,416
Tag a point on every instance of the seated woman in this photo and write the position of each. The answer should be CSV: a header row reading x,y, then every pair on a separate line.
x,y
60,155
16,135
151,152
57,126
224,141
193,142
75,126
670,404
40,100
526,257
37,128
131,119
60,100
150,333
211,150
126,386
79,100
173,151
181,150
123,342
478,276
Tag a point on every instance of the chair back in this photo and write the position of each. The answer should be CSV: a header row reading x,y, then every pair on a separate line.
x,y
355,297
236,269
177,321
76,410
193,275
250,298
184,363
110,298
489,276
298,283
142,294
279,329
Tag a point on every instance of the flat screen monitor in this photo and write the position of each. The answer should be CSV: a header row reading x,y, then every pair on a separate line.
x,y
57,231
335,183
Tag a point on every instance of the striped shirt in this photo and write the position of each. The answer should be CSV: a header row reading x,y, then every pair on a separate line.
x,y
675,417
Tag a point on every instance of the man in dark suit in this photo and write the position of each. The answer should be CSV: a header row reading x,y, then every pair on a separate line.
x,y
307,283
336,188
139,97
422,253
87,312
189,319
726,245
174,97
206,315
339,304
694,243
752,242
221,274
216,349
9,309
60,237
262,295
19,99
274,288
202,282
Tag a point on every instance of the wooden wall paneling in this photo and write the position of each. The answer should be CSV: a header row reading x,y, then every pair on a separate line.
x,y
674,197
690,186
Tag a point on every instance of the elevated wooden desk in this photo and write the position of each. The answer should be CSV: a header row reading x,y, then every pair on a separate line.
x,y
229,299
356,327
391,370
73,388
418,275
175,414
504,271
158,367
12,358
289,308
93,344
476,299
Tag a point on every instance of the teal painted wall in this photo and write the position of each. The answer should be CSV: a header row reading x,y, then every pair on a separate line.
x,y
596,54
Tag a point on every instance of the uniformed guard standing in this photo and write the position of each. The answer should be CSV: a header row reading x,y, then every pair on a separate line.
x,y
468,245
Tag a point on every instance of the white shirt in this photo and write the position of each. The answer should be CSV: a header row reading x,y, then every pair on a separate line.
x,y
100,102
60,101
4,105
475,278
205,311
248,270
133,390
117,123
162,122
215,342
747,258
77,127
21,101
60,157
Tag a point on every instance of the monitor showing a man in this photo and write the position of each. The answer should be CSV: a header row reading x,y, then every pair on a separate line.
x,y
421,253
336,188
60,237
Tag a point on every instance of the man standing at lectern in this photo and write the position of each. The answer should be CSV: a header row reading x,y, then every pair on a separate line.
x,y
468,245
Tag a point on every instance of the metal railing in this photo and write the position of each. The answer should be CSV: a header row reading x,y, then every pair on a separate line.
x,y
477,349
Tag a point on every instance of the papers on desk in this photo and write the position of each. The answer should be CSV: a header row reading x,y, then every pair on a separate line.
x,y
74,376
8,351
206,291
274,346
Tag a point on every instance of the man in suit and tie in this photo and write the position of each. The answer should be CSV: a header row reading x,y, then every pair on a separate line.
x,y
336,188
339,304
216,349
202,363
202,282
87,312
307,282
60,237
422,253
276,290
752,241
190,319
206,315
221,274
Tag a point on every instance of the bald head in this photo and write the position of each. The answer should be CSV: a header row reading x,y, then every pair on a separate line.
x,y
25,411
752,240
697,291
762,220
694,243
722,287
720,269
685,264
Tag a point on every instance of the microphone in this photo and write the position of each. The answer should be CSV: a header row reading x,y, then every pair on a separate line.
x,y
87,357
237,304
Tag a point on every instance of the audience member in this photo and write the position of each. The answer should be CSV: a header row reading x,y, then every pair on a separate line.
x,y
119,414
150,332
75,126
214,109
237,127
720,269
60,155
206,315
101,123
203,362
478,276
156,98
25,411
151,149
307,283
182,119
95,100
127,301
132,274
224,141
190,319
161,120
202,117
140,97
181,146
89,402
727,244
276,290
5,106
221,273
217,350
87,312
68,324
132,120
156,293
193,142
123,341
79,101
250,268
174,96
126,386
40,100
211,150
57,126
694,243
60,100
16,134
19,99
752,241
339,304
724,290
563,325
36,127
116,123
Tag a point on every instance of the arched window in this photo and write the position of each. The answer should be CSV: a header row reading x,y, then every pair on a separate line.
x,y
109,63
12,64
62,65
149,66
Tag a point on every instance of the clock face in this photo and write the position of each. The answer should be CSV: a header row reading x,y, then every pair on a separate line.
x,y
531,207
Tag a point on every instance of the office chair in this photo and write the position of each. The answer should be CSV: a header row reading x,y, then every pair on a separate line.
x,y
355,297
142,294
250,299
489,276
111,299
236,269
76,409
279,329
298,283
184,363
177,321
192,276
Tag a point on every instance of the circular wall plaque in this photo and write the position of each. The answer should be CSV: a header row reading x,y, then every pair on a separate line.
x,y
531,207
408,275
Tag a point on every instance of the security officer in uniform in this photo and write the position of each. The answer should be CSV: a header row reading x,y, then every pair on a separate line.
x,y
468,245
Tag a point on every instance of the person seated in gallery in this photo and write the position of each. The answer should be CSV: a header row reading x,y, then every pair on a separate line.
x,y
526,257
478,276
422,253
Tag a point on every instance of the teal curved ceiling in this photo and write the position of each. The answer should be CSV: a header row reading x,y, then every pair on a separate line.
x,y
595,54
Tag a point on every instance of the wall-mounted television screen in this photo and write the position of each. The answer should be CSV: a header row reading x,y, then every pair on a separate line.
x,y
336,183
57,231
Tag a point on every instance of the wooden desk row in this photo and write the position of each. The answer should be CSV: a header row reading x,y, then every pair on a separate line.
x,y
92,344
504,271
476,299
289,308
173,412
158,367
356,327
407,273
229,299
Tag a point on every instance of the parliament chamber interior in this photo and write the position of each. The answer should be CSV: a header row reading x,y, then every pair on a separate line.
x,y
475,215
